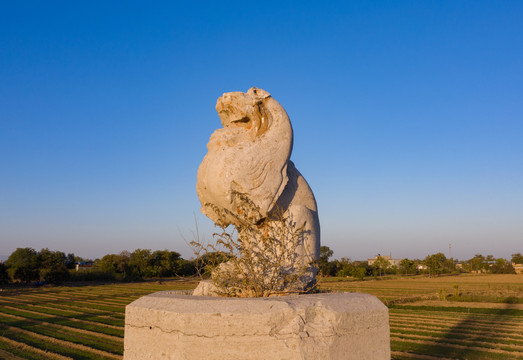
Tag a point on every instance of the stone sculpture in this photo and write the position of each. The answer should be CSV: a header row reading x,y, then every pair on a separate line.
x,y
247,179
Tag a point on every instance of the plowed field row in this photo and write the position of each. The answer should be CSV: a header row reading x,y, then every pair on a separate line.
x,y
455,324
74,302
69,329
99,314
401,355
491,337
26,351
92,299
82,349
67,322
66,313
53,316
487,353
513,334
456,318
87,322
455,335
85,309
483,341
106,299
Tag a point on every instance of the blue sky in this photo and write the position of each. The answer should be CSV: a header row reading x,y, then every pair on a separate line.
x,y
407,117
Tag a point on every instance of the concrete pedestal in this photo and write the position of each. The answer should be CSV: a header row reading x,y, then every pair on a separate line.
x,y
168,325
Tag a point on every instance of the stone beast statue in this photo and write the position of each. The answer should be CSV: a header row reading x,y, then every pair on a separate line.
x,y
250,156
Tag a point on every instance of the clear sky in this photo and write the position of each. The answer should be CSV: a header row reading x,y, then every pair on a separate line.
x,y
407,117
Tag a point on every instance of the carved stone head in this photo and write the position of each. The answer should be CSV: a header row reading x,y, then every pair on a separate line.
x,y
248,155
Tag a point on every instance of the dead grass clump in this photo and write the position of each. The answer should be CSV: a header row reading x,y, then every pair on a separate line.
x,y
265,258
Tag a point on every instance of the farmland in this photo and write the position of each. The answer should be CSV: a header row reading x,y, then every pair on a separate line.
x,y
457,317
467,316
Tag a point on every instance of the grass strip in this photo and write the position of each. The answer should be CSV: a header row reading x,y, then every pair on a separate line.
x,y
485,298
497,312
462,325
78,303
92,340
410,338
492,335
69,329
107,299
76,351
461,339
479,320
420,348
81,324
29,352
90,305
70,309
61,299
58,316
120,314
87,297
456,325
100,313
4,355
402,355
472,319
74,315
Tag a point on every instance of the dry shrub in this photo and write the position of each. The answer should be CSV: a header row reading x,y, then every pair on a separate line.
x,y
265,259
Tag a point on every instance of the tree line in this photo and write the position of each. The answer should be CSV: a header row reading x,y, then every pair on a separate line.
x,y
432,265
26,265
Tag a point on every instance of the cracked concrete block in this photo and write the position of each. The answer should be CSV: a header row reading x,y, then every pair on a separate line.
x,y
169,325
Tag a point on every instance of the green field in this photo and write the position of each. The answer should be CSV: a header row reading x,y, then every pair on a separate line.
x,y
458,317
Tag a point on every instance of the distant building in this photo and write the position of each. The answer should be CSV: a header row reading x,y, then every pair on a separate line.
x,y
392,262
84,265
518,268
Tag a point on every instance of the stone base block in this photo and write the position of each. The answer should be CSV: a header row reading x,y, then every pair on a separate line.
x,y
167,325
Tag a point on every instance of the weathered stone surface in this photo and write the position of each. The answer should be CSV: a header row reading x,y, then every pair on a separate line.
x,y
166,325
205,288
250,156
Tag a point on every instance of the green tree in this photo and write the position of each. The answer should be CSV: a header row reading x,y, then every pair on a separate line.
x,y
407,266
358,272
53,268
23,265
123,267
502,266
436,263
140,263
517,258
325,254
70,261
165,263
345,267
477,263
332,268
356,269
209,261
186,268
117,265
381,264
4,277
108,263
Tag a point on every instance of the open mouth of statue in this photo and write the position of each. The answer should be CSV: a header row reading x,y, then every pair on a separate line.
x,y
243,122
